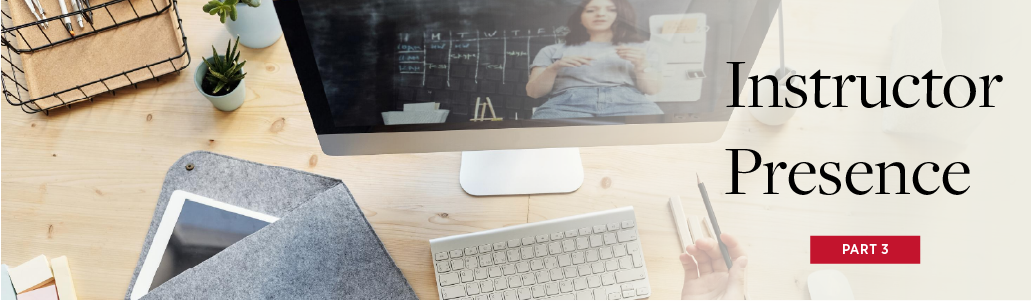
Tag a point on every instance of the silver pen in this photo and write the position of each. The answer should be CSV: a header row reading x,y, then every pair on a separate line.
x,y
32,8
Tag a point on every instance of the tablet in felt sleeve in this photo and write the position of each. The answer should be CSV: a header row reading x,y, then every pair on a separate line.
x,y
322,247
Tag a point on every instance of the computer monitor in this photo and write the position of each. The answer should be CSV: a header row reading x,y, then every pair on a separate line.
x,y
538,76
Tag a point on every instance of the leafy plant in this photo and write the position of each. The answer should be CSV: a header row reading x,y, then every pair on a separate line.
x,y
224,72
224,8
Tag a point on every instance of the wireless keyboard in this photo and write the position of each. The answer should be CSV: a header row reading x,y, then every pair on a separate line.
x,y
594,256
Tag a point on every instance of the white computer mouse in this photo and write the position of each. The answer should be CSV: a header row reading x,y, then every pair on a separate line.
x,y
829,285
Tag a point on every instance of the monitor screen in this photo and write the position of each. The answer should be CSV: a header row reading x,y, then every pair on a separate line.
x,y
433,65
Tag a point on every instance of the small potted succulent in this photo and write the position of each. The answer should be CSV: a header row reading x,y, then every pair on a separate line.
x,y
257,25
221,78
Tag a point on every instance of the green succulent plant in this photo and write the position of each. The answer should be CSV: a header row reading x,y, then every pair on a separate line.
x,y
224,72
224,8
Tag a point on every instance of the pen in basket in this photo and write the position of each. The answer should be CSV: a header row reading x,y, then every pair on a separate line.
x,y
66,19
33,6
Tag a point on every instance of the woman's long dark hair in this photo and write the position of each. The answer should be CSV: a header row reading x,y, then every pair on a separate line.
x,y
624,29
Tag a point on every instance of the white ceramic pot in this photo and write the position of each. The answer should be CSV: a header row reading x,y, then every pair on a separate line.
x,y
257,27
769,115
228,102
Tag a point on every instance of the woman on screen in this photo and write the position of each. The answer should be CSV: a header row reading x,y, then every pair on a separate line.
x,y
604,67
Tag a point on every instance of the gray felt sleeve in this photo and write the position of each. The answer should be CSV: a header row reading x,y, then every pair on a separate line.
x,y
321,248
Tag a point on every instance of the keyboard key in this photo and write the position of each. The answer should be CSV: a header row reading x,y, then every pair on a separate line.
x,y
472,288
470,251
457,264
502,283
597,267
570,272
570,233
499,258
638,259
466,275
456,253
579,284
584,295
608,279
599,294
482,297
627,235
486,260
613,226
625,262
540,250
487,286
641,291
628,224
480,273
513,243
452,292
485,248
566,285
529,279
509,269
584,270
619,250
543,276
568,245
498,246
615,296
630,293
552,288
630,275
555,248
611,265
471,263
543,238
578,257
599,229
536,264
596,241
606,252
528,240
524,293
626,286
527,252
592,255
556,274
511,295
515,281
513,255
594,281
582,243
564,260
523,267
633,247
443,266
538,291
497,296
449,279
488,86
494,272
550,263
585,231
610,238
556,236
440,256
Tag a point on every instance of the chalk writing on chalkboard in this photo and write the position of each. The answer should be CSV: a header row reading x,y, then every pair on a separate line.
x,y
447,48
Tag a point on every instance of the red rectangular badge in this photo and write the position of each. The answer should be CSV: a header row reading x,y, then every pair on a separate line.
x,y
864,249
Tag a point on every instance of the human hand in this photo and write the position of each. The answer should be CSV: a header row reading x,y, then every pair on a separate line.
x,y
636,56
571,61
706,275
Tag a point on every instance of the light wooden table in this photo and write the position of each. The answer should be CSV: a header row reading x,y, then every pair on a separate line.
x,y
83,182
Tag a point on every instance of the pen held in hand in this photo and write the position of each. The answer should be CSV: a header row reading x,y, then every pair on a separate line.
x,y
715,226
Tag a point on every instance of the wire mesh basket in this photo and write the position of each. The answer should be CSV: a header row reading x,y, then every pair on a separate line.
x,y
36,37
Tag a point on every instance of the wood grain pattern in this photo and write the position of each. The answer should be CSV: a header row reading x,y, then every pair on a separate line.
x,y
83,182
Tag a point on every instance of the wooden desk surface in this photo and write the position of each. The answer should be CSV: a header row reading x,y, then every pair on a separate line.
x,y
83,182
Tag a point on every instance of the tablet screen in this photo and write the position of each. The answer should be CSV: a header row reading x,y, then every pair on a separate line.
x,y
201,232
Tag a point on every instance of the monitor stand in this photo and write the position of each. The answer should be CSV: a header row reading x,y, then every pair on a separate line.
x,y
529,171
